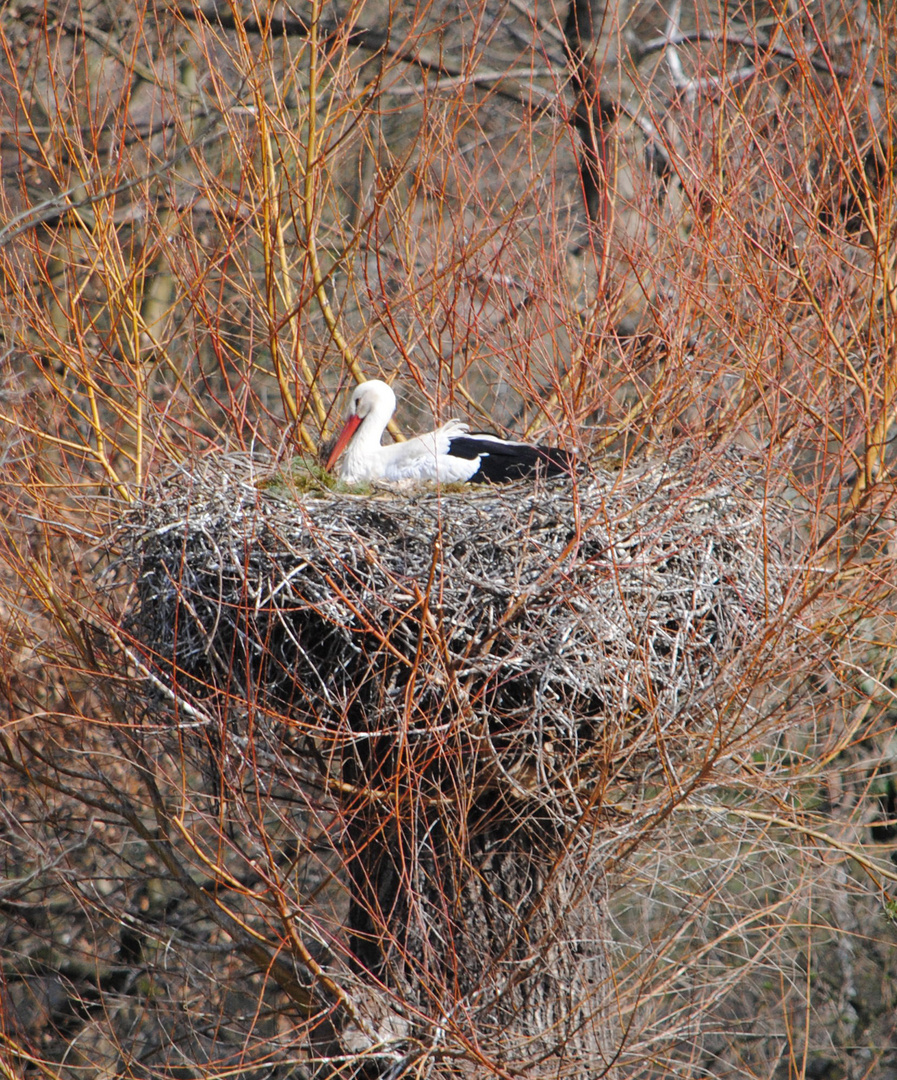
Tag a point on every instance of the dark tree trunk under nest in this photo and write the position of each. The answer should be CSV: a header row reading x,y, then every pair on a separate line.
x,y
481,680
490,927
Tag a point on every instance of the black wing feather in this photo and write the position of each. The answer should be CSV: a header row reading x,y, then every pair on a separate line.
x,y
502,462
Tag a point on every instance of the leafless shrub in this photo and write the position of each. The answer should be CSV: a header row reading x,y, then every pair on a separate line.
x,y
630,228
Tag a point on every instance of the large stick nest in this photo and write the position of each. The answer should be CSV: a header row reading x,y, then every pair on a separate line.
x,y
545,641
474,676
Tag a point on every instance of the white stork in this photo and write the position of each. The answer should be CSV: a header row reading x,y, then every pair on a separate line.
x,y
449,454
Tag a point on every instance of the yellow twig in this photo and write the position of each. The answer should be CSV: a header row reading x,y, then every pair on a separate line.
x,y
283,287
81,448
308,209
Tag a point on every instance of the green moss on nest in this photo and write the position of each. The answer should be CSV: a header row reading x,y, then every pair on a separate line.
x,y
305,475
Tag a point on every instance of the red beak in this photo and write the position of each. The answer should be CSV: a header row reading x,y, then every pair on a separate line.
x,y
352,425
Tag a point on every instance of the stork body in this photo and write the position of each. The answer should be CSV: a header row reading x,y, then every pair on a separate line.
x,y
450,454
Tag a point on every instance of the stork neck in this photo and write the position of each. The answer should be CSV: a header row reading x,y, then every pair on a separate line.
x,y
362,452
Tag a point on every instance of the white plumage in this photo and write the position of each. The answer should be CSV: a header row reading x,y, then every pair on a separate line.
x,y
449,454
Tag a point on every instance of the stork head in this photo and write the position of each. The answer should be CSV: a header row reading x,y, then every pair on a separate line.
x,y
372,401
373,396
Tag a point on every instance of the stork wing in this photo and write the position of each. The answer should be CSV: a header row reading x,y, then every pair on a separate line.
x,y
427,457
